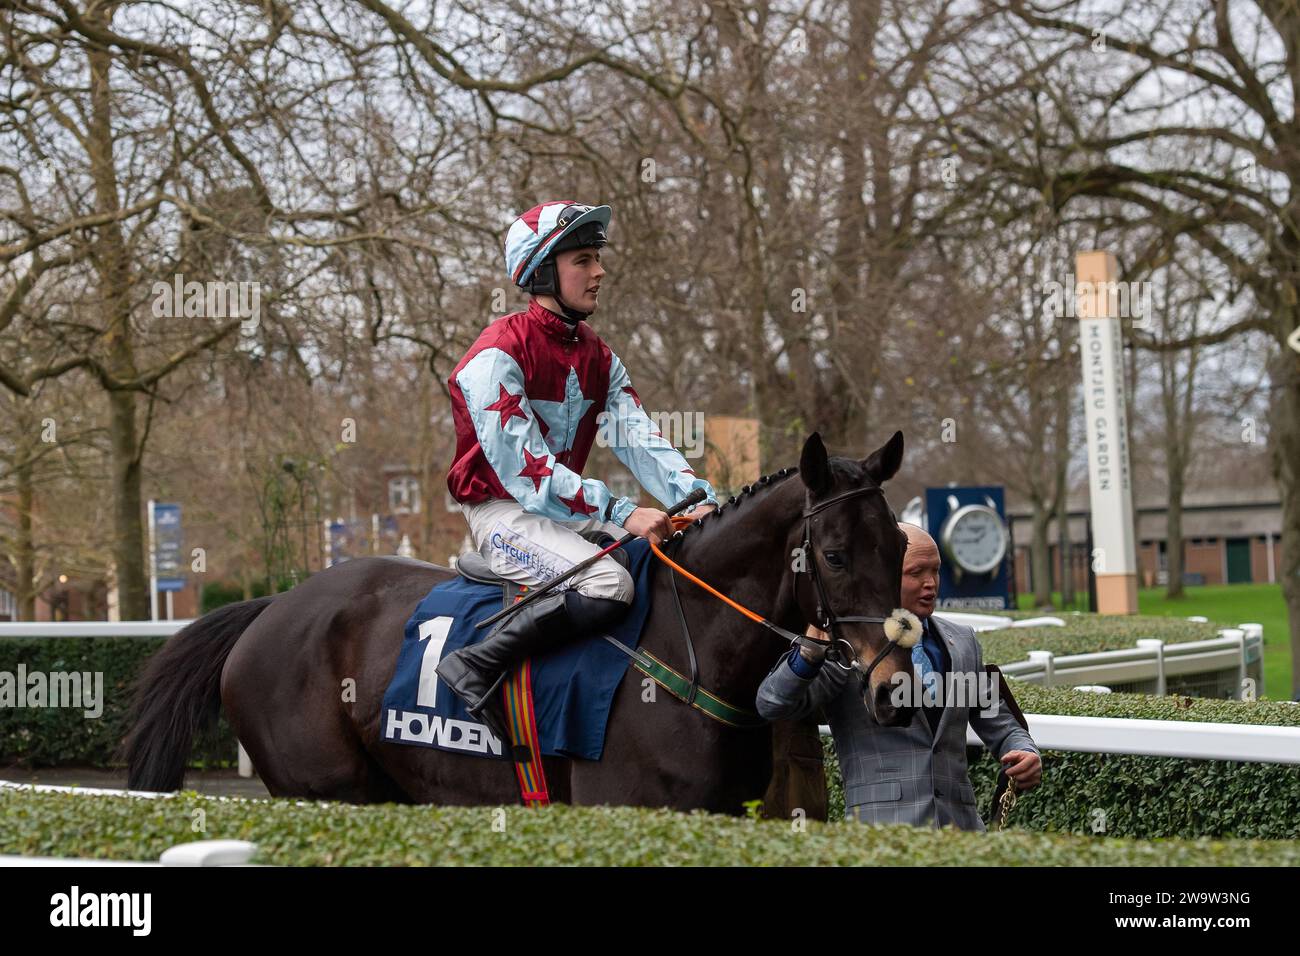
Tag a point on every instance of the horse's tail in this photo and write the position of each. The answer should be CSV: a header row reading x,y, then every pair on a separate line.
x,y
179,694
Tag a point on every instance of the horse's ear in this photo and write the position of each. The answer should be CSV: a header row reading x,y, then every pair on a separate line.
x,y
883,463
814,465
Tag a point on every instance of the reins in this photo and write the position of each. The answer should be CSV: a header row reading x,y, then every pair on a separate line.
x,y
689,690
682,521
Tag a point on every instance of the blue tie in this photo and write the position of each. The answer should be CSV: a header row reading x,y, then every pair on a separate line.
x,y
921,661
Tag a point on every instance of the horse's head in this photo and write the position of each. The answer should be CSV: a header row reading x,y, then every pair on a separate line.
x,y
854,560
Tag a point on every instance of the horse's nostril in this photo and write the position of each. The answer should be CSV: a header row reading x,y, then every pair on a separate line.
x,y
881,706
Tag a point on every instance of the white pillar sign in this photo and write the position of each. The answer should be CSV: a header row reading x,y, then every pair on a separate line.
x,y
1114,557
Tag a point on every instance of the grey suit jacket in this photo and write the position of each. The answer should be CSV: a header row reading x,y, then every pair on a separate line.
x,y
899,774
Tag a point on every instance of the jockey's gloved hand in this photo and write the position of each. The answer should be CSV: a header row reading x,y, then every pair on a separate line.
x,y
649,523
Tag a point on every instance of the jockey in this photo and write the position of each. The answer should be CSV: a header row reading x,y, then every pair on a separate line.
x,y
525,400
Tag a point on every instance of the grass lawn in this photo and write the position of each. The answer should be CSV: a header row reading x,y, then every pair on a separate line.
x,y
1229,604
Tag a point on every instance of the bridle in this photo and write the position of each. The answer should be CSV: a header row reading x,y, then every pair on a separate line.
x,y
688,688
827,620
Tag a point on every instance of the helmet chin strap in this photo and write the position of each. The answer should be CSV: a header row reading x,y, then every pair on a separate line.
x,y
572,316
569,314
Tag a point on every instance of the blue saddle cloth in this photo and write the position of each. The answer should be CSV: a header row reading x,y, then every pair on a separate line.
x,y
573,686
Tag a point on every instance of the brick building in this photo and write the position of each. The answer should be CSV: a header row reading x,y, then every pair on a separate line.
x,y
1230,536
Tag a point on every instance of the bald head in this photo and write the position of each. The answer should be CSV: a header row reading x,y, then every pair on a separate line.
x,y
916,536
920,571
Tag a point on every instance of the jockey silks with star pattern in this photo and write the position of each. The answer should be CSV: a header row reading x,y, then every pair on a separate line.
x,y
526,399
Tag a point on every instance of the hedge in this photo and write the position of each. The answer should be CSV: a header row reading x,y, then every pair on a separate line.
x,y
1139,796
330,834
1086,633
1146,797
220,593
49,736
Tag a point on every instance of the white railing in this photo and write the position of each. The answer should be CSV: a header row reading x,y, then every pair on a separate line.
x,y
198,853
994,622
1150,661
1193,740
1249,743
1236,649
91,628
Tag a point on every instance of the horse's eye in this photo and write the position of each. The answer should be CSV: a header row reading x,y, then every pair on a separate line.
x,y
833,559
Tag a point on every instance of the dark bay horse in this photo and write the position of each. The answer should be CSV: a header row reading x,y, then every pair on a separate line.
x,y
301,674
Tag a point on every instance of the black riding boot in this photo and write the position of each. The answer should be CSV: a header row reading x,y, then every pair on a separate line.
x,y
475,673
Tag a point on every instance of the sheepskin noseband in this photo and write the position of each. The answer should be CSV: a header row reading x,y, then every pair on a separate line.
x,y
903,628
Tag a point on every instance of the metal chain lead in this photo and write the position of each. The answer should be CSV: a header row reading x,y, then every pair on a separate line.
x,y
1007,803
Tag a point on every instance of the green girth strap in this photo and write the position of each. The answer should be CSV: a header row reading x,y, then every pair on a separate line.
x,y
680,687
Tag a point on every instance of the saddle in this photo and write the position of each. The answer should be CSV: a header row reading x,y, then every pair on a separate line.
x,y
525,742
474,567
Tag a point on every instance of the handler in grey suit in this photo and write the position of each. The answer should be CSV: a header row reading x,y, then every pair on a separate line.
x,y
914,774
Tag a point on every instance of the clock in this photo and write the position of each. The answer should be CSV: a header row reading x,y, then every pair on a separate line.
x,y
974,539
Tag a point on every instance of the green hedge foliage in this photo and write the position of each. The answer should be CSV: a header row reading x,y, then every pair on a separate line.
x,y
1086,633
1136,796
329,834
49,736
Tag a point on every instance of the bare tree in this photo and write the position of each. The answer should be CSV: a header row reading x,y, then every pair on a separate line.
x,y
1179,116
156,137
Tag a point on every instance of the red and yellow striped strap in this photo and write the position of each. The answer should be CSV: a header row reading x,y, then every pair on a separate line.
x,y
525,742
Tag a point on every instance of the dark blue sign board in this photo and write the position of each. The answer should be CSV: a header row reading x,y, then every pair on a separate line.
x,y
169,560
